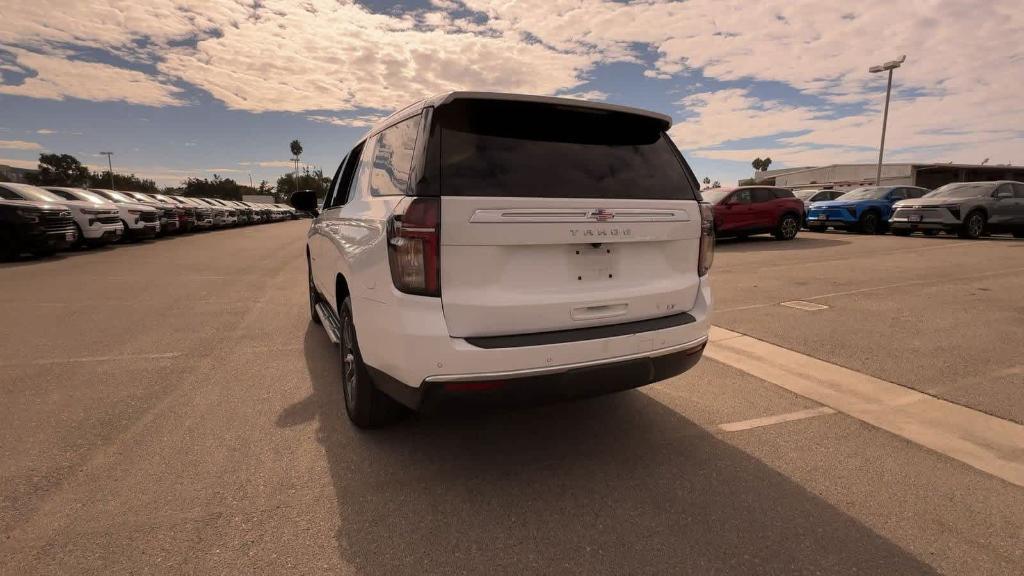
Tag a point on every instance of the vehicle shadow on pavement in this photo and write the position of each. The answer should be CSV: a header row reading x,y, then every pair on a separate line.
x,y
614,485
769,244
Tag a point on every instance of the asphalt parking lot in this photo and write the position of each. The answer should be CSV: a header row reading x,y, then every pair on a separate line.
x,y
169,408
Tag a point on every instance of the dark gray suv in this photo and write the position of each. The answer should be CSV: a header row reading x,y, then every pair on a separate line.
x,y
970,209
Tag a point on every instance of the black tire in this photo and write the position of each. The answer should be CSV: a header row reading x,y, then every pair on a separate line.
x,y
869,223
313,298
367,407
930,232
901,232
973,226
819,229
44,252
787,228
1018,234
9,249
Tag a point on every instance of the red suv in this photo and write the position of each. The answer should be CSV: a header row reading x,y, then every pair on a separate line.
x,y
748,210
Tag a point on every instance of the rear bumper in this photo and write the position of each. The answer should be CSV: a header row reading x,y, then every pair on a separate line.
x,y
544,384
410,345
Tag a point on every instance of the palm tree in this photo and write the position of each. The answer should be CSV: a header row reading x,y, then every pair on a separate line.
x,y
296,147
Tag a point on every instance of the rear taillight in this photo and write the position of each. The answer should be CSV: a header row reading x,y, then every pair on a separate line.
x,y
414,246
707,239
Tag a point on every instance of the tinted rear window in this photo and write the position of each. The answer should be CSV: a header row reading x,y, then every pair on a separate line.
x,y
492,148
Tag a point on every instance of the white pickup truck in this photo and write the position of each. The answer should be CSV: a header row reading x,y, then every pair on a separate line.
x,y
478,246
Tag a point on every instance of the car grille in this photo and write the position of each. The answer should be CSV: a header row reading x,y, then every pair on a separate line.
x,y
54,221
108,218
149,217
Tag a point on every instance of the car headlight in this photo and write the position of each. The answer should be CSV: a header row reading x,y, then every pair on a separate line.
x,y
29,215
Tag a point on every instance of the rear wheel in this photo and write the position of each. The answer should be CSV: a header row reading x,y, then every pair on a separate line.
x,y
901,232
367,407
870,223
973,226
1018,234
787,228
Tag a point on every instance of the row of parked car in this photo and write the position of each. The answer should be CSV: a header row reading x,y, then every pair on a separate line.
x,y
42,220
966,209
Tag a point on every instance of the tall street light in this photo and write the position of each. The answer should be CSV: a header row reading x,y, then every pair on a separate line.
x,y
890,66
110,166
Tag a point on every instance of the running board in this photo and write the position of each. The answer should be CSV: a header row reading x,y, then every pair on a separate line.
x,y
331,324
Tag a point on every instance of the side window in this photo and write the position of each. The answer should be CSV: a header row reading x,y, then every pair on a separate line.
x,y
835,194
332,192
1018,190
782,193
8,195
741,197
762,195
346,173
898,194
915,192
1002,189
361,168
392,161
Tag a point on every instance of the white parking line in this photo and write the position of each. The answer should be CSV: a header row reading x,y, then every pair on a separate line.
x,y
985,442
777,419
156,356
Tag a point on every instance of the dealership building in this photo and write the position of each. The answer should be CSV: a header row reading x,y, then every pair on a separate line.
x,y
847,176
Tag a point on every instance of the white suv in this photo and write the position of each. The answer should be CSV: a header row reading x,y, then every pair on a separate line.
x,y
496,246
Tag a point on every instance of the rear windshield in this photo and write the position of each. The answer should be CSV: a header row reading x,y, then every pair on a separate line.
x,y
493,148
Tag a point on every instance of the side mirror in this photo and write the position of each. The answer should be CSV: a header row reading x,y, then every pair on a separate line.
x,y
304,200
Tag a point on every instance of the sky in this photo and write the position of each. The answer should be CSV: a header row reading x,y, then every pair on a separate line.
x,y
180,88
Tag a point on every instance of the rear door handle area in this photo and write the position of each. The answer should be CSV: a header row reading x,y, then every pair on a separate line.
x,y
596,312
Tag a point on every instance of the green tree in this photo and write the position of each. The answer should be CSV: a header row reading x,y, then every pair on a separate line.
x,y
216,187
129,182
309,180
716,184
706,181
757,164
765,164
59,170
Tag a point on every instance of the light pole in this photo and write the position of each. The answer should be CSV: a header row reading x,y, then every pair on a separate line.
x,y
110,165
890,66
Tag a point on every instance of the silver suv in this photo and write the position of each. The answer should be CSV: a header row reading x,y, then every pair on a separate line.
x,y
970,209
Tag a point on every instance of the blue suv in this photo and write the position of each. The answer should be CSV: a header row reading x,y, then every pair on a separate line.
x,y
865,210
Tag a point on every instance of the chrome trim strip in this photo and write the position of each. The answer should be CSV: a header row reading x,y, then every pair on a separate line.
x,y
564,367
578,215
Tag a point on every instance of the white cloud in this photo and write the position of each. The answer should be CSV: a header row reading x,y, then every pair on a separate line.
x,y
57,78
587,95
361,121
270,164
19,163
45,131
19,145
284,60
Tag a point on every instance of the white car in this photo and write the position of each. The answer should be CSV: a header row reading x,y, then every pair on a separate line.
x,y
96,220
140,220
550,248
